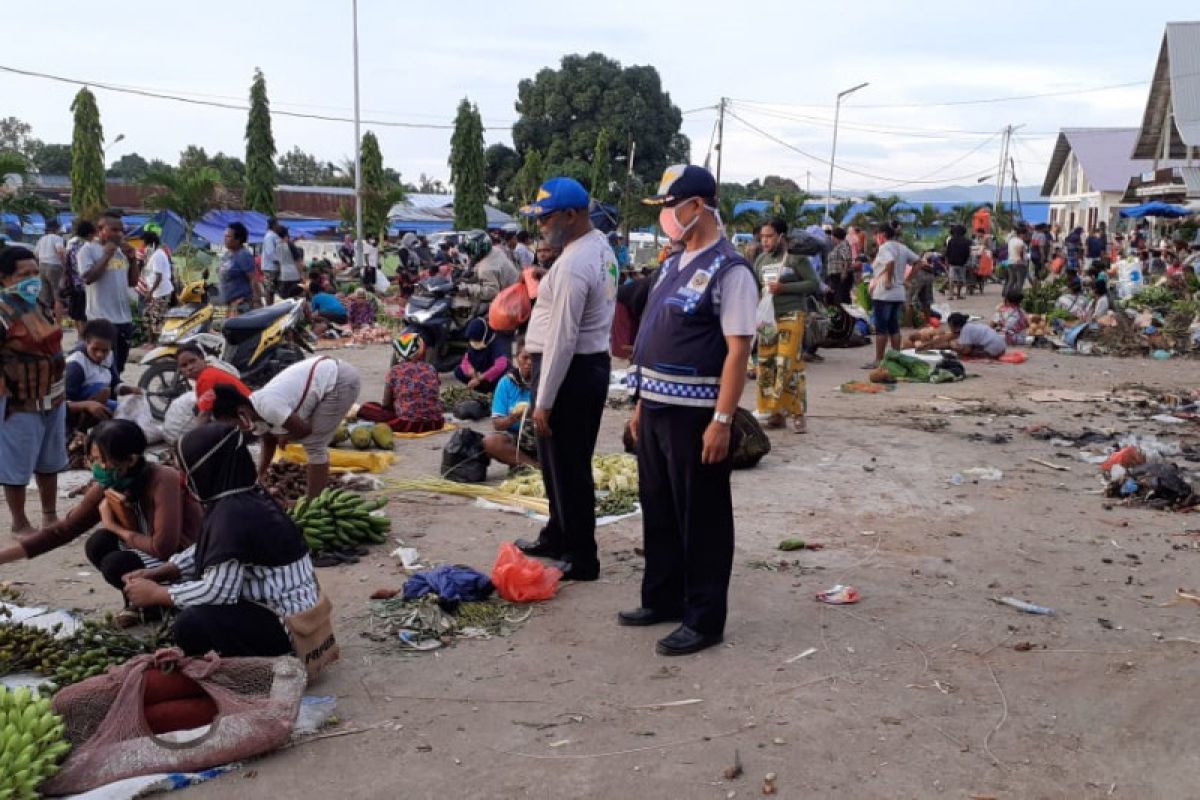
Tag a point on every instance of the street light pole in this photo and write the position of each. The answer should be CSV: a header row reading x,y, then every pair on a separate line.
x,y
358,200
833,152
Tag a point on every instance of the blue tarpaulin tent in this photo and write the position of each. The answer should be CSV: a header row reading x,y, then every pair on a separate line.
x,y
1156,208
212,226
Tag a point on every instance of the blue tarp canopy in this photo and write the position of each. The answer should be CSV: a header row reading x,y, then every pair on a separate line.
x,y
1156,208
212,225
35,224
172,229
604,218
1032,212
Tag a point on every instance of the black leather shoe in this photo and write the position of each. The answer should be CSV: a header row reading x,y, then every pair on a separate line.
x,y
576,572
684,641
541,548
640,617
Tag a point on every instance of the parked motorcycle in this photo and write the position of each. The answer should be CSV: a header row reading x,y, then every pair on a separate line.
x,y
440,318
256,347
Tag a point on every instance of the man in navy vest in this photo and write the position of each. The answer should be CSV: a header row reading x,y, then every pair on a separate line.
x,y
687,374
568,339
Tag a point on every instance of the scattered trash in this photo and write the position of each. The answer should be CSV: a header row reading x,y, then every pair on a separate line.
x,y
805,654
315,712
1023,647
734,771
410,558
792,543
1126,457
1021,605
768,786
976,474
1181,596
1155,485
1066,396
839,595
1161,355
1168,419
669,704
1057,467
1105,623
560,743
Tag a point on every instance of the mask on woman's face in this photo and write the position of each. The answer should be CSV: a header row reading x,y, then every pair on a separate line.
x,y
28,289
110,477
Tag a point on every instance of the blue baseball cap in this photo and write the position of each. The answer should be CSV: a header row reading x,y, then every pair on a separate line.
x,y
683,182
557,194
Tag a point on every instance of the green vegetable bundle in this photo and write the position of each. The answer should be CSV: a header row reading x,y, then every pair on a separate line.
x,y
31,743
337,518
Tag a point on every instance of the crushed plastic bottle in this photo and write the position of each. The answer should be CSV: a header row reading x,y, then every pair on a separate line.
x,y
957,479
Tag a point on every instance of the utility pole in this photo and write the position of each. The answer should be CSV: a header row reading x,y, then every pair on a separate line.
x,y
808,181
628,181
358,198
837,110
720,139
1002,171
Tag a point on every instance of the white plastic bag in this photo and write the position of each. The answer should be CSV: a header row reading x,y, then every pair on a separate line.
x,y
765,317
382,284
180,418
135,408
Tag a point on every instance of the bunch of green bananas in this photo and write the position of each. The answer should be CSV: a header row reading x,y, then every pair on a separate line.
x,y
337,518
31,743
96,646
23,648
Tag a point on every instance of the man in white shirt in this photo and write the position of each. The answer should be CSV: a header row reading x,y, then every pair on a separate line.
x,y
51,257
158,284
273,248
1018,260
568,338
887,290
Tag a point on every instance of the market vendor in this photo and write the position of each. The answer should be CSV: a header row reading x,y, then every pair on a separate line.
x,y
305,402
486,359
1011,320
1073,300
248,572
514,442
412,390
193,365
155,521
326,307
974,338
363,310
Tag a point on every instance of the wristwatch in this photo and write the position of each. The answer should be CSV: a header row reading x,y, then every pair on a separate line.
x,y
723,419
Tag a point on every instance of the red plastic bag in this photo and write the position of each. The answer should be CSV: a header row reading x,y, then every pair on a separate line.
x,y
511,308
521,579
1127,457
533,281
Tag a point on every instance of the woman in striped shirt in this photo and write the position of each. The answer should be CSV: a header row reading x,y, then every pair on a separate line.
x,y
249,570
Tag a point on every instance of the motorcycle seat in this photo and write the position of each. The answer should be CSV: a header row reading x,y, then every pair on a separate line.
x,y
258,319
421,302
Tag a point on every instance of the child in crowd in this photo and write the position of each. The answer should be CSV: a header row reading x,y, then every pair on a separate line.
x,y
514,443
1010,319
91,373
194,366
486,358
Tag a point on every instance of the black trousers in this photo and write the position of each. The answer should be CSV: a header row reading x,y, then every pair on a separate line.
x,y
103,549
122,346
566,456
244,629
687,512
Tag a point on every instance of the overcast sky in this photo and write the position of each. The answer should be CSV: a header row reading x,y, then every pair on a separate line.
x,y
782,62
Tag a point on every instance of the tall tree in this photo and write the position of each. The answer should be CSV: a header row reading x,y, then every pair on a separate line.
x,y
87,156
528,178
562,111
15,197
260,150
16,135
130,167
467,167
379,192
601,178
190,192
299,168
501,163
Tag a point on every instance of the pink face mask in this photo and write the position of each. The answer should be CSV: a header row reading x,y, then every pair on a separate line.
x,y
668,220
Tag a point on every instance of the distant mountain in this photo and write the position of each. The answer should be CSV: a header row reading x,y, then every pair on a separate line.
x,y
977,193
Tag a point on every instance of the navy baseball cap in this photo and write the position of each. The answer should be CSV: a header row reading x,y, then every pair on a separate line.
x,y
683,182
557,194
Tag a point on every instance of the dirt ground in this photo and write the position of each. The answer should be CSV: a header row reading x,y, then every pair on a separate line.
x,y
920,690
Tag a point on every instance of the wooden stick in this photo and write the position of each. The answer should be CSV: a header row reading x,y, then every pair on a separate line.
x,y
1058,467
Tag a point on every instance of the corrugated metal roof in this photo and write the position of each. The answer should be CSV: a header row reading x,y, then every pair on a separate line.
x,y
1176,85
1103,155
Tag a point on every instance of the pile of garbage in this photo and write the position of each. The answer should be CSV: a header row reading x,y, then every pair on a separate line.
x,y
1140,474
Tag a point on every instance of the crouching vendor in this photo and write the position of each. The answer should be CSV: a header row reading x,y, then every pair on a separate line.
x,y
144,515
248,573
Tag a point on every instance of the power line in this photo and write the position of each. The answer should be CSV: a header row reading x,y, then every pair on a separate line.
x,y
891,130
894,181
158,95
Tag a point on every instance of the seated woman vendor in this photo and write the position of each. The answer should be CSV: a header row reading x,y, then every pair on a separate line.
x,y
514,443
194,366
975,338
412,401
91,376
328,308
486,359
144,515
248,572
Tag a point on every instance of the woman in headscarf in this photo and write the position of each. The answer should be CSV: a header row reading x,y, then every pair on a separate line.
x,y
250,569
412,400
486,359
144,515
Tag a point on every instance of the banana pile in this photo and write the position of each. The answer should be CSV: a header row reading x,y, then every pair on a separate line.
x,y
337,518
612,473
31,743
25,648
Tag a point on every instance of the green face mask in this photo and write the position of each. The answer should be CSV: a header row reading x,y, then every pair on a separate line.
x,y
109,479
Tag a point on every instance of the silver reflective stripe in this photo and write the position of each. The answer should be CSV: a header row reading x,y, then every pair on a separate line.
x,y
671,400
654,374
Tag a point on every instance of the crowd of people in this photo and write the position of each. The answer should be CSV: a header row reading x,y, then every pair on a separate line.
x,y
204,538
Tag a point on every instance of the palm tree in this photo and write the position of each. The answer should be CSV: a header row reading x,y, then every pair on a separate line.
x,y
746,220
190,193
840,211
927,216
1004,218
15,197
960,215
882,209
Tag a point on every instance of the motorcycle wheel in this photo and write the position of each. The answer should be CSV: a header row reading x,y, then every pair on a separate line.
x,y
161,383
